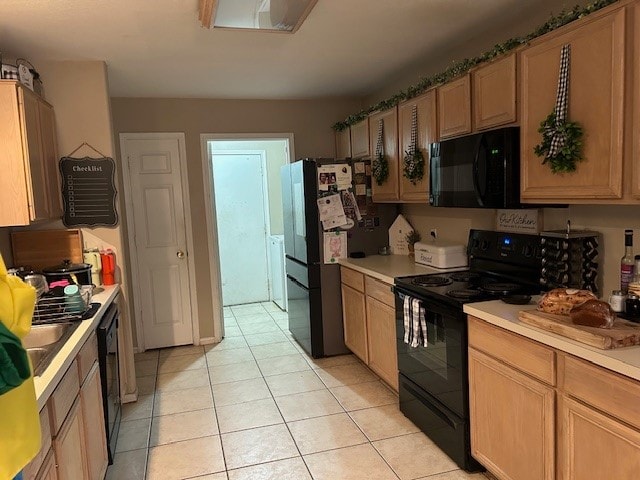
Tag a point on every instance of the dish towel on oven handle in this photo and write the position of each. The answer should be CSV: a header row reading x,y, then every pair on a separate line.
x,y
415,323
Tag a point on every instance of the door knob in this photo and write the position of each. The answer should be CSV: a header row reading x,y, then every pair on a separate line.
x,y
180,254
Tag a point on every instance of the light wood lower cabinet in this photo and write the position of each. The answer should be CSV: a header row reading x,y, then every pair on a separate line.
x,y
512,420
354,316
95,447
595,446
68,446
368,315
591,416
381,336
48,470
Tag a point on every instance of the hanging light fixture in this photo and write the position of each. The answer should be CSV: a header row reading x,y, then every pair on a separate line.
x,y
269,15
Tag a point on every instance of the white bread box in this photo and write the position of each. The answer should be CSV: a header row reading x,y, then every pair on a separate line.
x,y
441,254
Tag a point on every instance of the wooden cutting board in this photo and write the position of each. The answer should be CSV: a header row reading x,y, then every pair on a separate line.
x,y
623,333
39,249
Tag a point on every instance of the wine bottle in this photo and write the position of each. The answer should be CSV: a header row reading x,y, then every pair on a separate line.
x,y
626,262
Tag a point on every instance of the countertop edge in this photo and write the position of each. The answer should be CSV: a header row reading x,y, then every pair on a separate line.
x,y
366,271
487,311
46,383
387,267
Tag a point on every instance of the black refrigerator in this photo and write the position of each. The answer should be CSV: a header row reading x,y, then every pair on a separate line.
x,y
313,286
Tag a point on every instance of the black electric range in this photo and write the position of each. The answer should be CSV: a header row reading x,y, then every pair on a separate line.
x,y
433,380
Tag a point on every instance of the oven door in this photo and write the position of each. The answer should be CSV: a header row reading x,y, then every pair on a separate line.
x,y
440,369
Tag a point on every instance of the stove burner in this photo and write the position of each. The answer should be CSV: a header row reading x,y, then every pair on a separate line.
x,y
464,276
431,281
465,294
501,288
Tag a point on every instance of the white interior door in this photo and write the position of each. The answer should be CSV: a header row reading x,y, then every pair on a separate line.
x,y
242,220
160,240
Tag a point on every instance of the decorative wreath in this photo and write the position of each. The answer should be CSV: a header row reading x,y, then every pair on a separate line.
x,y
566,158
561,139
413,165
380,168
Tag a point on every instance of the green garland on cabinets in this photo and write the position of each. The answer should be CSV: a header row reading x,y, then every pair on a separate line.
x,y
461,67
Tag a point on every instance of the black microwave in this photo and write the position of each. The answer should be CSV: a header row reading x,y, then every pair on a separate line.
x,y
476,171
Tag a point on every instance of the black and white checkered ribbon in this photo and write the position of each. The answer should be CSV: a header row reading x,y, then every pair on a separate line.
x,y
559,139
379,144
414,130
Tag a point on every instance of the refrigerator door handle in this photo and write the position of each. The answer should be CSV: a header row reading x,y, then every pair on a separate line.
x,y
289,277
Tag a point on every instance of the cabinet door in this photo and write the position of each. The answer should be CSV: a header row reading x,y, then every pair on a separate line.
x,y
389,191
68,446
355,322
494,93
360,139
427,133
596,101
95,439
381,334
594,446
48,470
50,159
454,107
32,144
635,178
343,144
512,421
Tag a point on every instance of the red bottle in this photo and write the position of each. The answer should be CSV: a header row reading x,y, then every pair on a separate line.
x,y
108,267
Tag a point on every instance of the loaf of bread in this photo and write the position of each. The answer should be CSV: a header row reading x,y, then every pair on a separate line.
x,y
560,301
593,313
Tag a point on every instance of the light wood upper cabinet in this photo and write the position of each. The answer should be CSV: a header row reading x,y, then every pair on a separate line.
x,y
28,190
494,93
360,139
596,101
427,134
389,191
343,143
454,107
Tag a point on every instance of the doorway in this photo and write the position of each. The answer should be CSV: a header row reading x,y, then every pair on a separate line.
x,y
244,213
160,238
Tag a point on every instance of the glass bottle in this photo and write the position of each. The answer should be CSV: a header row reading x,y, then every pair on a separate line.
x,y
627,262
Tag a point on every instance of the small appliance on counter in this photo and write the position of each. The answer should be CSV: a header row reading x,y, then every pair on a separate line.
x,y
108,261
569,259
78,273
441,254
92,257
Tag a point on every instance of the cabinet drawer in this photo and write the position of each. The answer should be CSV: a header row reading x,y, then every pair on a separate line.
x,y
63,397
380,291
87,356
612,393
352,278
526,355
31,470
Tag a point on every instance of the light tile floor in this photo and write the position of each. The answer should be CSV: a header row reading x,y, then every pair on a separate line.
x,y
256,407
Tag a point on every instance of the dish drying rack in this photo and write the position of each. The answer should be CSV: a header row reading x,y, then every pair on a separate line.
x,y
61,308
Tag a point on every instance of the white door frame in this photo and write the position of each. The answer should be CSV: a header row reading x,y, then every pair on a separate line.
x,y
212,229
265,197
135,274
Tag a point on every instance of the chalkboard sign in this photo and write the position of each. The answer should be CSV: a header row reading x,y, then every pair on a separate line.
x,y
88,192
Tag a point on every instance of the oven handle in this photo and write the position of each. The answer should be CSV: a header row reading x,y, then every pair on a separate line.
x,y
451,421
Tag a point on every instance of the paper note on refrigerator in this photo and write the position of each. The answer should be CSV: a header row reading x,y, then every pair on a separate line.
x,y
338,175
331,212
335,246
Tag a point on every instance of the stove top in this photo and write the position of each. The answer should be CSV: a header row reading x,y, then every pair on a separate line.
x,y
500,264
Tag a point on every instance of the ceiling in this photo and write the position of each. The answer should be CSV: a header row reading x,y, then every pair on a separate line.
x,y
156,48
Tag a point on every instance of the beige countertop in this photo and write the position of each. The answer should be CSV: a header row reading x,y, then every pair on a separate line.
x,y
49,379
625,361
386,267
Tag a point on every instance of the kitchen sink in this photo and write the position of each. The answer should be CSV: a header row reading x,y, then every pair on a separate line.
x,y
44,341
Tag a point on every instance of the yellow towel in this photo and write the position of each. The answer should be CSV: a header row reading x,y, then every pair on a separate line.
x,y
19,420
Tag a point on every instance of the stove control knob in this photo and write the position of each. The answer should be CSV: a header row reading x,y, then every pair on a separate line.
x,y
528,251
484,245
